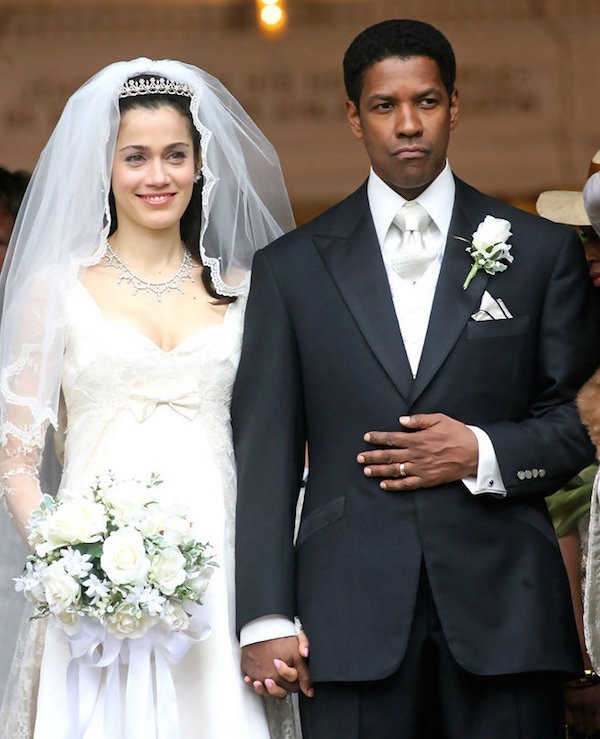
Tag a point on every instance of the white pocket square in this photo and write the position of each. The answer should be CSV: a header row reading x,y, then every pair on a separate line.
x,y
491,309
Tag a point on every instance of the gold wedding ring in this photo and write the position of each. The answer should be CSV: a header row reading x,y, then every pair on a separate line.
x,y
402,470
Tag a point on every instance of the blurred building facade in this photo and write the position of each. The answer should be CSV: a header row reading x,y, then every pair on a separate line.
x,y
528,79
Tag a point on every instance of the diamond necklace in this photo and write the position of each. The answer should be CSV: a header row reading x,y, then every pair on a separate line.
x,y
139,284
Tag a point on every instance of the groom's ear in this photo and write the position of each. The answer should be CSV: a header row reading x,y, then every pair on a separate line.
x,y
454,106
353,116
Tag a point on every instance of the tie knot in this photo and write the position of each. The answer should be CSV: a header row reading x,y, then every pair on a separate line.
x,y
412,216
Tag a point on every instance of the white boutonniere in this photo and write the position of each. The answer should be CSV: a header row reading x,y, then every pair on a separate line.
x,y
488,247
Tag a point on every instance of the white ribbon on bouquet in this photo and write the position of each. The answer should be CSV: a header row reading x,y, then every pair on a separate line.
x,y
149,709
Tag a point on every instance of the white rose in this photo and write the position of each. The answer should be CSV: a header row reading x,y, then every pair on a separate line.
x,y
128,500
167,569
172,525
60,589
73,522
69,621
199,582
153,519
491,231
36,593
127,623
174,617
124,558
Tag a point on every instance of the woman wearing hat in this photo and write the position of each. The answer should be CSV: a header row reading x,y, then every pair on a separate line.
x,y
570,506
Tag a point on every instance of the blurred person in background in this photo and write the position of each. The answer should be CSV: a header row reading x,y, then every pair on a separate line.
x,y
12,189
570,506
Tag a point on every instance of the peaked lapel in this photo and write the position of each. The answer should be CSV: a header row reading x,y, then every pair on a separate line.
x,y
453,306
356,266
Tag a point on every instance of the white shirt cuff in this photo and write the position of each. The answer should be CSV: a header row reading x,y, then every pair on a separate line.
x,y
488,479
265,628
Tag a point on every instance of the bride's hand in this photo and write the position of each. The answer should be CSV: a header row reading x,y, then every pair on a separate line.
x,y
286,672
289,674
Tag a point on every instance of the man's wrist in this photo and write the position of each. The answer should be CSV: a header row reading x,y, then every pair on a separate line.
x,y
587,680
266,628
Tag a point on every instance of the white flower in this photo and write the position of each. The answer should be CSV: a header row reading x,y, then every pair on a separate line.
x,y
167,569
75,521
129,501
68,620
30,583
124,557
174,617
171,524
491,231
155,602
126,621
199,581
488,247
60,589
118,554
146,597
75,563
96,589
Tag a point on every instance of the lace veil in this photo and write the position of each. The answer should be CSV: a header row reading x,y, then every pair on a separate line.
x,y
64,220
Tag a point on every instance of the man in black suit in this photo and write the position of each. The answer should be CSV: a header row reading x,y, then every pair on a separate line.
x,y
438,412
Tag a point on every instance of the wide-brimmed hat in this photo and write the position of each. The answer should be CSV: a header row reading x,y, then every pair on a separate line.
x,y
567,206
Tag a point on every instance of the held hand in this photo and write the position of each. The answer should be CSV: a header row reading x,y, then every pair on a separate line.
x,y
278,666
434,449
583,710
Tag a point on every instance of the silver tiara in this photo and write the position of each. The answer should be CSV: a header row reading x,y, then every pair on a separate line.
x,y
154,86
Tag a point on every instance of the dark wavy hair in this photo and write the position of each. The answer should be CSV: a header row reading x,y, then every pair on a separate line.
x,y
191,220
397,38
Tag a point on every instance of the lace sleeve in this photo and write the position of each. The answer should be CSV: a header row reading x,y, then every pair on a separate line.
x,y
29,392
20,458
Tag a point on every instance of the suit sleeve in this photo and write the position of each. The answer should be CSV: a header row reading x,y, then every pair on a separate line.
x,y
543,451
269,438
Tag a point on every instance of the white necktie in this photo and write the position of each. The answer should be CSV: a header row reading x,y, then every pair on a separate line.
x,y
409,255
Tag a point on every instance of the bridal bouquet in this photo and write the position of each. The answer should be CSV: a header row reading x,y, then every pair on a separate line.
x,y
117,555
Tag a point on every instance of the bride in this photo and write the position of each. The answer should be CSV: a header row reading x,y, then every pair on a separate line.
x,y
123,308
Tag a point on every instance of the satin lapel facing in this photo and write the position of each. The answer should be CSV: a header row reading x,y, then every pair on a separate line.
x,y
356,266
452,306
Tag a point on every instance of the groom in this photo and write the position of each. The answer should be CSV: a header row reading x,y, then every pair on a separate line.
x,y
438,415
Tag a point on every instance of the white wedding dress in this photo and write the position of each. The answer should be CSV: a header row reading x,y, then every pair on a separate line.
x,y
134,409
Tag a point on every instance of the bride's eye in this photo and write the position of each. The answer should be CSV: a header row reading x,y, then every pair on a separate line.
x,y
178,156
136,158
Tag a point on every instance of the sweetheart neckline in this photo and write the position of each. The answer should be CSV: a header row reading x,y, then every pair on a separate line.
x,y
143,336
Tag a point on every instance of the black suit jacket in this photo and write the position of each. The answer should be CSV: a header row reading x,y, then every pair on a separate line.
x,y
323,360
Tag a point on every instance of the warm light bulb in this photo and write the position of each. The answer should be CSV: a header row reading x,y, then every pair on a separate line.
x,y
271,15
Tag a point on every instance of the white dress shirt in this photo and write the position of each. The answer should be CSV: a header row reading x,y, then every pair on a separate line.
x,y
413,300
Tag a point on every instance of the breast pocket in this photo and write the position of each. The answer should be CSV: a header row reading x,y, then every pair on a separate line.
x,y
498,329
498,359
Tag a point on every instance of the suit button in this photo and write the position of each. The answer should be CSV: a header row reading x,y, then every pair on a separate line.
x,y
521,475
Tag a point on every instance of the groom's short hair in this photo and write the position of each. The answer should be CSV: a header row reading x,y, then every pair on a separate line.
x,y
397,38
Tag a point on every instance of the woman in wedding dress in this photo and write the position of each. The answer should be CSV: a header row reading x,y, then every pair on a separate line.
x,y
122,321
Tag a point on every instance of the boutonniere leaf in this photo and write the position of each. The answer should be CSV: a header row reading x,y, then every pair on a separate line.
x,y
488,247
